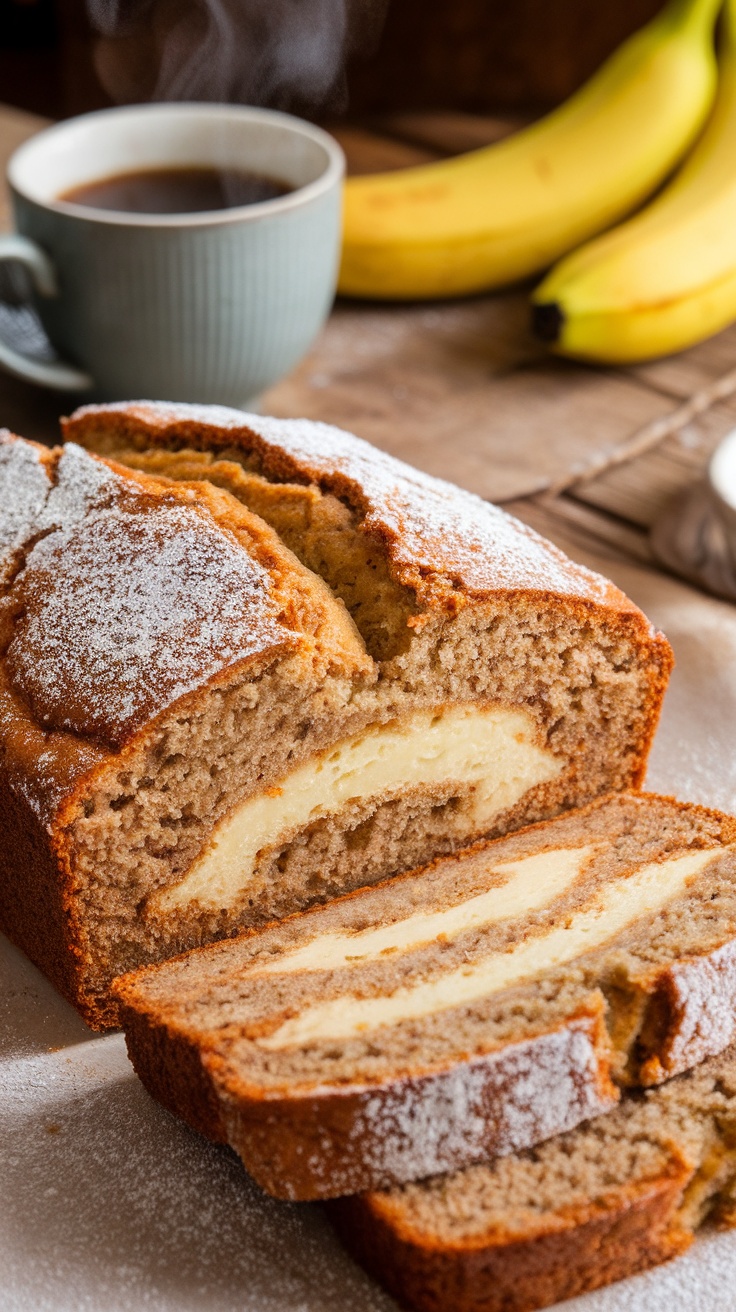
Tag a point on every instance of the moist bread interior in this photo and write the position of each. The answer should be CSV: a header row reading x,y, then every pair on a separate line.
x,y
246,998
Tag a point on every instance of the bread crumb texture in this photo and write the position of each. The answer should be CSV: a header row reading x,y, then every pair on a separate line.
x,y
473,1007
211,602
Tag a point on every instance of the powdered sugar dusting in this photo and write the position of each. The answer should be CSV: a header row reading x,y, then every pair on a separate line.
x,y
437,530
431,521
82,482
24,487
119,1207
493,1105
409,1129
704,990
131,600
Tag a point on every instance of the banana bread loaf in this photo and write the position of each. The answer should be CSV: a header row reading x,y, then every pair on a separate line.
x,y
222,700
474,1007
611,1198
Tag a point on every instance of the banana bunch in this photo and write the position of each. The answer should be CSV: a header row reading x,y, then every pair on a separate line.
x,y
511,209
666,278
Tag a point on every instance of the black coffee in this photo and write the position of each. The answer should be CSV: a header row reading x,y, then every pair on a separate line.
x,y
177,191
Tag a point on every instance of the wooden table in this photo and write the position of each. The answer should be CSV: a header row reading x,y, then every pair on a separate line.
x,y
463,390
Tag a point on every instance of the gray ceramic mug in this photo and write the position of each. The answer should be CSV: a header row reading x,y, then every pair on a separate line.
x,y
193,307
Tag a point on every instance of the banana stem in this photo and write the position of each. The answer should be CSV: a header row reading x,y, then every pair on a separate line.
x,y
547,321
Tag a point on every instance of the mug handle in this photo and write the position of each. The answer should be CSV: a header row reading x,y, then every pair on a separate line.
x,y
56,374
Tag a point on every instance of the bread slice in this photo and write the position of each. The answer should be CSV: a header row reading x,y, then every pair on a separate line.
x,y
474,1007
200,731
154,642
611,1198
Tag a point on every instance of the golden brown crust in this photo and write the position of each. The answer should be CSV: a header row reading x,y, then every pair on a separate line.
x,y
334,1142
35,910
42,775
322,1141
691,1014
167,1062
441,541
223,593
614,1236
53,739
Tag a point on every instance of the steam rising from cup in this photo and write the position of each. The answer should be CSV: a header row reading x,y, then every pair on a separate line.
x,y
287,54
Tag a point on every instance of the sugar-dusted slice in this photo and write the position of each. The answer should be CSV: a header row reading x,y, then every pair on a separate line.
x,y
473,1007
611,1198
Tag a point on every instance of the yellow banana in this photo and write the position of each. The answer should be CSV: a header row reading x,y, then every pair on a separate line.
x,y
498,214
667,278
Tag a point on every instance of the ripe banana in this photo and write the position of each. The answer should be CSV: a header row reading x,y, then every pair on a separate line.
x,y
497,214
667,278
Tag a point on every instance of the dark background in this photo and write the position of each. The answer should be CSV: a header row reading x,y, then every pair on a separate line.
x,y
473,55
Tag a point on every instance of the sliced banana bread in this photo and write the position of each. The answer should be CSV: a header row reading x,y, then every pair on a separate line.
x,y
609,1199
476,1006
199,731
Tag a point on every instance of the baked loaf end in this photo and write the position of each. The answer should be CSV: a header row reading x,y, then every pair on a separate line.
x,y
611,1198
158,643
474,1007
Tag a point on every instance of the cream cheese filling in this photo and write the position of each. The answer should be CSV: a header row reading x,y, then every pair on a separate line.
x,y
526,885
493,751
615,906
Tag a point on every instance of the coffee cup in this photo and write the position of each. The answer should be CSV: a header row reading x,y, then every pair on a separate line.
x,y
203,306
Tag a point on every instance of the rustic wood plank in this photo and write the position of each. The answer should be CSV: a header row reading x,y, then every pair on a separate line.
x,y
448,132
459,388
640,494
462,391
580,530
641,491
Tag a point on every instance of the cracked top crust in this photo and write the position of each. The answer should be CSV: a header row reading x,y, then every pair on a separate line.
x,y
444,544
123,596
